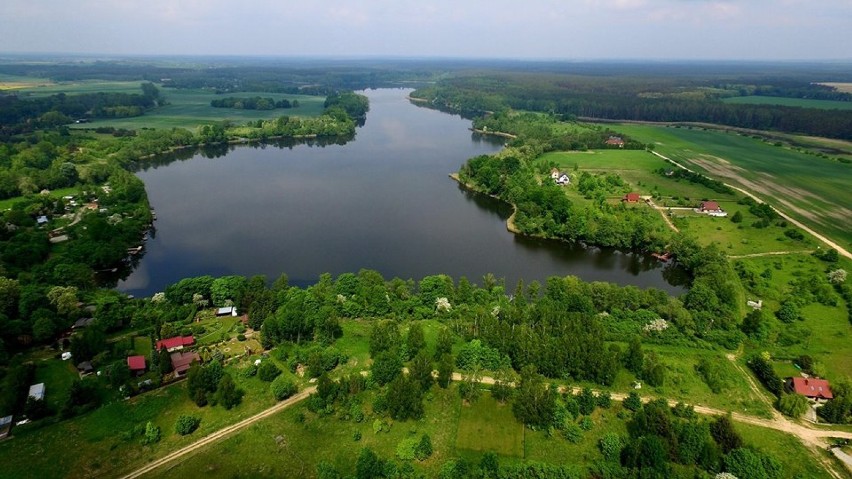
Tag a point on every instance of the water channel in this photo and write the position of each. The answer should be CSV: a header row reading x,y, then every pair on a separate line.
x,y
382,201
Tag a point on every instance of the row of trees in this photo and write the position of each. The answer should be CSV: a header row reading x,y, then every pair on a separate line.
x,y
253,103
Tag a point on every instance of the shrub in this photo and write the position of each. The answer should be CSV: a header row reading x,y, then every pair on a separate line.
x,y
152,434
424,448
632,401
610,445
572,433
405,450
793,405
356,436
282,388
586,423
268,371
186,424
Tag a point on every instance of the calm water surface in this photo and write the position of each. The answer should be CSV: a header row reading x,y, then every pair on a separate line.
x,y
382,201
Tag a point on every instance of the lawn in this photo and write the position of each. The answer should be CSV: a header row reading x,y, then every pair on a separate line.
x,y
796,460
57,376
797,102
639,169
101,443
810,188
555,449
58,193
487,425
282,446
738,238
824,332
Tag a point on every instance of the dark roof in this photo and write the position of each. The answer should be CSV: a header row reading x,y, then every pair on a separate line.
x,y
175,342
182,361
82,323
812,388
85,366
136,363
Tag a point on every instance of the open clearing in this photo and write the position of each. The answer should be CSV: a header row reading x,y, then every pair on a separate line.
x,y
811,189
490,426
795,102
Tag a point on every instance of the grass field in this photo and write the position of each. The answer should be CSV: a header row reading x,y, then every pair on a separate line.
x,y
825,332
101,446
809,188
795,459
184,108
487,425
9,202
799,102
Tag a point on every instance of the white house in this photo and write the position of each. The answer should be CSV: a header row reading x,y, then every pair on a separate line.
x,y
37,392
229,311
563,179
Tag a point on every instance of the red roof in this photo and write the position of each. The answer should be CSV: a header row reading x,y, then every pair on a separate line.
x,y
136,363
812,388
614,140
175,342
709,206
631,197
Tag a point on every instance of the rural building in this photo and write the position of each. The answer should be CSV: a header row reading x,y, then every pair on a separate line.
x,y
182,361
5,426
615,141
631,198
563,179
85,368
82,323
229,311
36,392
554,173
136,364
41,220
176,343
814,389
711,208
755,304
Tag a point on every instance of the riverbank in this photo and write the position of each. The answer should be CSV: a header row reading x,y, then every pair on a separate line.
x,y
495,133
510,222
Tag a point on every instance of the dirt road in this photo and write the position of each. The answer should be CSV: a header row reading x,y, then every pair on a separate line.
x,y
828,242
220,434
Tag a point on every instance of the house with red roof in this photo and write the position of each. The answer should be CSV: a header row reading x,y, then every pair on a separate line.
x,y
711,208
136,364
176,343
816,390
615,141
631,198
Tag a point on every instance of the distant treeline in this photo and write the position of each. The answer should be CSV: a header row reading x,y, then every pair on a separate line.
x,y
20,115
625,98
253,103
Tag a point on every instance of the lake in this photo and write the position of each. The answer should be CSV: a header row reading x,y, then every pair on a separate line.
x,y
382,201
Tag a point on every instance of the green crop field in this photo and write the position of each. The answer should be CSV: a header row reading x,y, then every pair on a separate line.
x,y
812,189
800,102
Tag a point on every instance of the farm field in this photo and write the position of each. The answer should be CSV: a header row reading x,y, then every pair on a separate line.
x,y
184,108
810,188
796,102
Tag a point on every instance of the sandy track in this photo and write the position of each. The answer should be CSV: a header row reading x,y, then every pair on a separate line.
x,y
220,434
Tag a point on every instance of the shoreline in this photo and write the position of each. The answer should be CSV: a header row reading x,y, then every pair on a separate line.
x,y
495,133
510,221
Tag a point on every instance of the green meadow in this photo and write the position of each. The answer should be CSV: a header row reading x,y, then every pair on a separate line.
x,y
796,102
181,108
810,188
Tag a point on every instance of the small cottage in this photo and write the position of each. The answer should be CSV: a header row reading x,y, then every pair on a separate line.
x,y
816,390
631,198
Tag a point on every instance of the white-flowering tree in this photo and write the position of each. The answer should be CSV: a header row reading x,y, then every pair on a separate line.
x,y
442,305
158,298
837,276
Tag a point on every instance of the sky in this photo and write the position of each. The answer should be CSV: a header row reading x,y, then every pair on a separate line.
x,y
516,29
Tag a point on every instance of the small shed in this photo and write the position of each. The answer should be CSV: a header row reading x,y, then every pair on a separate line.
x,y
37,392
227,311
85,368
5,426
136,364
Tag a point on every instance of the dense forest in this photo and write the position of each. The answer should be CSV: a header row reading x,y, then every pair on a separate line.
x,y
621,98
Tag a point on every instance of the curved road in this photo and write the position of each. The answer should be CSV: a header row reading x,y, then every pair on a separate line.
x,y
828,242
